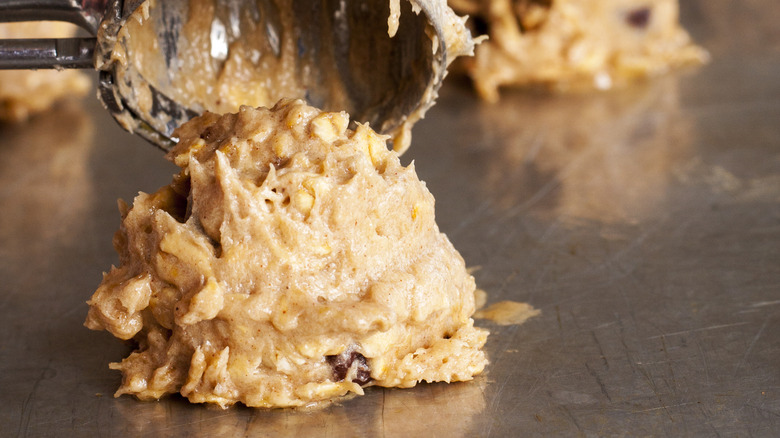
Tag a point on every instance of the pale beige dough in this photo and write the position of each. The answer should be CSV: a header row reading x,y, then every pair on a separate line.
x,y
24,93
575,43
287,247
507,313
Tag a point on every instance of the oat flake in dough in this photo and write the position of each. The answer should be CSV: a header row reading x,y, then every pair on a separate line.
x,y
291,261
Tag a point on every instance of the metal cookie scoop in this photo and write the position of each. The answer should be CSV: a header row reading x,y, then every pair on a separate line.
x,y
335,54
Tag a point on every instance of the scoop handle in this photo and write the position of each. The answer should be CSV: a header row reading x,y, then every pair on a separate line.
x,y
84,13
51,52
47,53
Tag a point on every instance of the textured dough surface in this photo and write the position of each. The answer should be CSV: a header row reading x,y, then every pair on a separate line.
x,y
291,261
575,43
24,93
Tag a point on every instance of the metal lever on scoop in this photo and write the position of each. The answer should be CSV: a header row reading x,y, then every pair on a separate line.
x,y
51,52
346,61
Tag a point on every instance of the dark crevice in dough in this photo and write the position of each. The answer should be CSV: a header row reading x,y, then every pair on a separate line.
x,y
526,20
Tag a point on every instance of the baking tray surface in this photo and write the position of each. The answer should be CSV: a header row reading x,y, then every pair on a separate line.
x,y
644,223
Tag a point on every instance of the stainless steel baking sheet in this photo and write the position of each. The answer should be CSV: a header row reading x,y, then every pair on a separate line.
x,y
643,222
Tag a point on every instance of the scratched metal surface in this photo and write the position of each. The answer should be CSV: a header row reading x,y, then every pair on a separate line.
x,y
644,223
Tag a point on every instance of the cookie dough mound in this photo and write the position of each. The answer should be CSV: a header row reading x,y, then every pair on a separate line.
x,y
575,43
291,261
24,93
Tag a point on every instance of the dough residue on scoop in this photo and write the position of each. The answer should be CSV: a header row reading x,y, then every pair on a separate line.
x,y
291,261
343,60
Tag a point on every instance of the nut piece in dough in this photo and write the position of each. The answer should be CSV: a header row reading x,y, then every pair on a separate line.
x,y
24,93
290,262
574,43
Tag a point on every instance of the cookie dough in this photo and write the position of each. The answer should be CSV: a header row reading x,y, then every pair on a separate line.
x,y
574,43
24,93
290,262
507,313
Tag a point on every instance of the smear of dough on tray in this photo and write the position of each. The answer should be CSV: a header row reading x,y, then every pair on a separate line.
x,y
574,43
24,93
291,261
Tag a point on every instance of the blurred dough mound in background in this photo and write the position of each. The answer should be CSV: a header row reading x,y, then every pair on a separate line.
x,y
574,43
24,92
291,261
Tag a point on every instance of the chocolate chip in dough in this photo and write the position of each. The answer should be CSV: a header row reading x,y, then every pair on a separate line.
x,y
639,18
341,364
